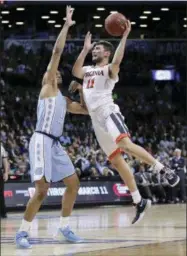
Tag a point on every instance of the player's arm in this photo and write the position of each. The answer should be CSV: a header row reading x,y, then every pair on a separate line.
x,y
75,107
119,53
73,87
59,46
78,66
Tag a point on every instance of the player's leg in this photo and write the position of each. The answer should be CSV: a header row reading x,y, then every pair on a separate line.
x,y
114,154
119,132
126,174
63,169
40,161
33,206
69,197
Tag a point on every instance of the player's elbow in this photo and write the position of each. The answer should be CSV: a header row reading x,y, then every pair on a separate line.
x,y
77,72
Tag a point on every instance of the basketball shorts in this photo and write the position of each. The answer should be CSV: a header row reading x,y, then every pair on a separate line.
x,y
48,159
110,128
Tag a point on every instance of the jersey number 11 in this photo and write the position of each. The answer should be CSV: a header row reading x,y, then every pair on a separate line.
x,y
90,84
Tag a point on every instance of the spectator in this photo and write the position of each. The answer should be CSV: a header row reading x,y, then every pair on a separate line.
x,y
178,164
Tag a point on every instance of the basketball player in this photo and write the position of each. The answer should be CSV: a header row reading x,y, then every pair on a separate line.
x,y
108,123
49,162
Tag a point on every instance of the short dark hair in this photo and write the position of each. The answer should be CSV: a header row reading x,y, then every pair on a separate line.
x,y
107,46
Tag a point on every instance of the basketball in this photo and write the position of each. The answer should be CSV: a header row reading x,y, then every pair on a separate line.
x,y
115,24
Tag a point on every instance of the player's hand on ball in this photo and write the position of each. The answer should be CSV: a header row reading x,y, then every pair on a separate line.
x,y
88,45
69,14
128,28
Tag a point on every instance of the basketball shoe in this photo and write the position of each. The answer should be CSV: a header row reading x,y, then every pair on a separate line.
x,y
170,176
22,240
141,208
68,235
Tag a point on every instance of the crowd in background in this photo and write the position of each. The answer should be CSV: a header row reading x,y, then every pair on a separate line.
x,y
155,115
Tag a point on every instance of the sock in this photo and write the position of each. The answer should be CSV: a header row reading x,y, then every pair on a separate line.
x,y
64,222
25,225
157,166
136,197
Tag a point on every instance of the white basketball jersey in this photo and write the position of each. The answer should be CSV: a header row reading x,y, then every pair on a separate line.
x,y
97,87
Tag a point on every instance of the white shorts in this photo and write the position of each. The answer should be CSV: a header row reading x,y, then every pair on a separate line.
x,y
109,129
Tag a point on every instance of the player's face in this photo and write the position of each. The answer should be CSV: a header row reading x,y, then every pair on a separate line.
x,y
99,53
58,78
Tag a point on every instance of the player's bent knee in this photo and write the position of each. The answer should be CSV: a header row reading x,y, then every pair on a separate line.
x,y
117,160
126,144
72,183
41,193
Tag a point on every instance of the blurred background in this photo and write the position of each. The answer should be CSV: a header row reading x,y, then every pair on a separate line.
x,y
151,92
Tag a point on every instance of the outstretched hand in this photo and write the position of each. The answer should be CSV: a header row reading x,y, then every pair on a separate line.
x,y
88,45
69,14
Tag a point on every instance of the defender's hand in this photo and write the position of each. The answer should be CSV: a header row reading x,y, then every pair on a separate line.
x,y
69,14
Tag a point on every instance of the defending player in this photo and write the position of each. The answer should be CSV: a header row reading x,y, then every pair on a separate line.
x,y
108,122
49,162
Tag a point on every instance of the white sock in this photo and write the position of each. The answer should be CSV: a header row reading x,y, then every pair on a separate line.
x,y
25,225
64,222
157,166
136,197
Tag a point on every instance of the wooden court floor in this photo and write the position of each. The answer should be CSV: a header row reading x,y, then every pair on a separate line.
x,y
107,232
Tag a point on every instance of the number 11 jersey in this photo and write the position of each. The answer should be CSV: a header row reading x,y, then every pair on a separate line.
x,y
97,87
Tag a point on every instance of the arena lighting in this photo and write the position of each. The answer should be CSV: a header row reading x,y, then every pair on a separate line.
x,y
100,9
51,21
164,9
143,17
133,23
54,12
45,17
58,26
143,25
185,26
156,18
5,21
147,12
5,12
20,9
98,25
9,26
19,23
96,17
185,18
64,19
113,12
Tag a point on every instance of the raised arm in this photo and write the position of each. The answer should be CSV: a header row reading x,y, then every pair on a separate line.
x,y
78,66
119,53
59,46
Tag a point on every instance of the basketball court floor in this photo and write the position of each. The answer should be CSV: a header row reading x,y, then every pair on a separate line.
x,y
107,232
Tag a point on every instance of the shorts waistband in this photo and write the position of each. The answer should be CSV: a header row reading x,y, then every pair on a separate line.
x,y
49,135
